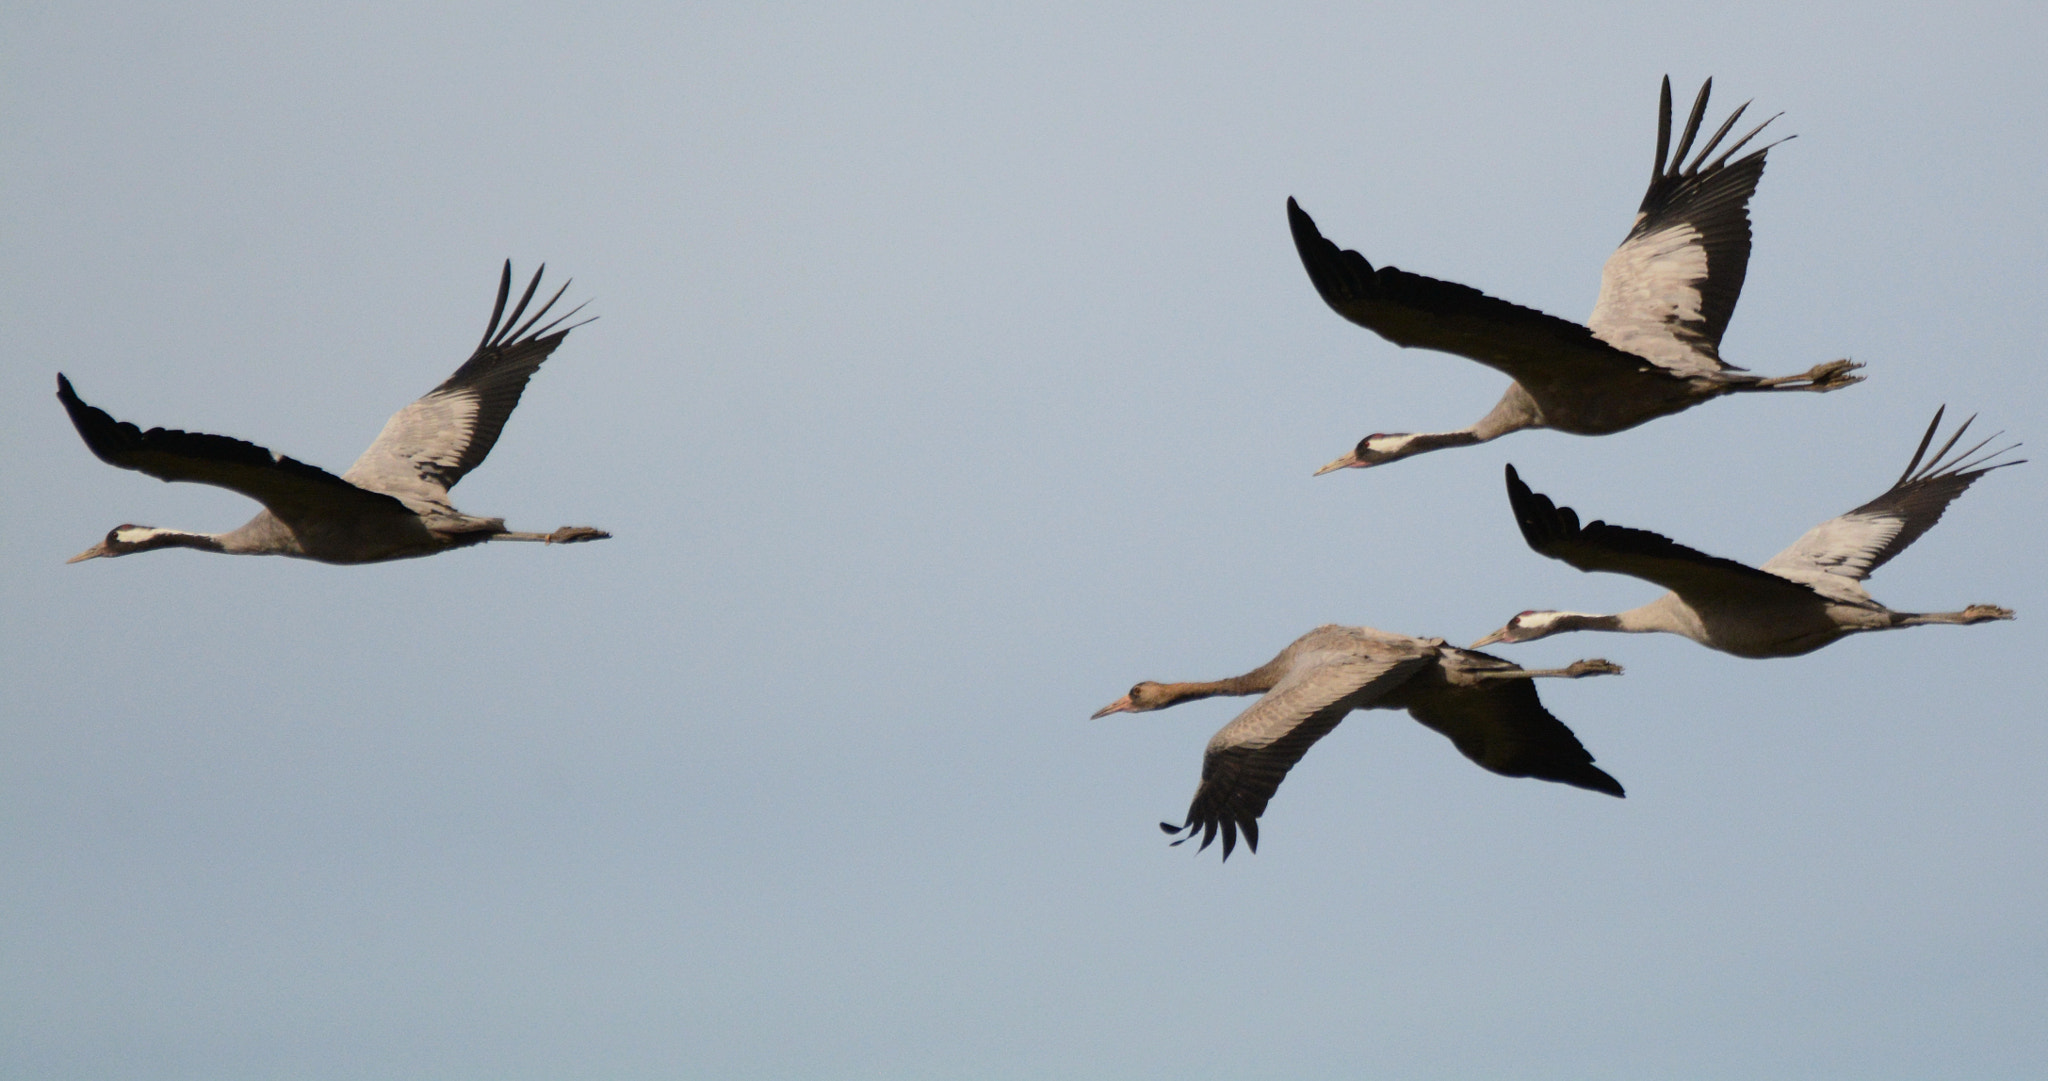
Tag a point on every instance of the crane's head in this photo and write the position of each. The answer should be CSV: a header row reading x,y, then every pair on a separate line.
x,y
123,539
1377,449
1143,697
1527,627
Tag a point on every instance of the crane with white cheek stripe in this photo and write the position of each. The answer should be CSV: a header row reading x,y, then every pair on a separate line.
x,y
1652,345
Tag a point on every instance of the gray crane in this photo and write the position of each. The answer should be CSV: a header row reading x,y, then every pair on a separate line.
x,y
391,504
1652,345
1485,705
1801,599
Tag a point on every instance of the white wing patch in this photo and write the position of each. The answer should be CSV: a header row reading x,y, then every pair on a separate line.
x,y
1649,290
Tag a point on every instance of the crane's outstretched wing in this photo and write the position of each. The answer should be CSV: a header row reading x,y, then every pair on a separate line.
x,y
1501,725
1667,293
1411,310
294,491
1849,548
1555,531
431,444
1248,758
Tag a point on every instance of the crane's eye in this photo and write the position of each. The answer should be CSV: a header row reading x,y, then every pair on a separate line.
x,y
1364,446
1134,689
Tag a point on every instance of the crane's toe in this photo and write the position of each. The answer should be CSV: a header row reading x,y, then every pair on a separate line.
x,y
570,534
1982,613
1835,375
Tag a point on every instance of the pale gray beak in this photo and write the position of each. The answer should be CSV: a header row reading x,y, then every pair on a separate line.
x,y
1121,705
1500,635
1348,461
93,552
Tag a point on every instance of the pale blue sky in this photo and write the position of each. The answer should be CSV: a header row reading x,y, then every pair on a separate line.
x,y
953,373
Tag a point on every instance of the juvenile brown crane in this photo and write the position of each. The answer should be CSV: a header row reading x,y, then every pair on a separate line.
x,y
1484,705
391,504
1652,345
1801,599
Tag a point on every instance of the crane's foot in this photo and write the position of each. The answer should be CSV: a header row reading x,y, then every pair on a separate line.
x,y
1834,375
570,534
1985,613
1598,666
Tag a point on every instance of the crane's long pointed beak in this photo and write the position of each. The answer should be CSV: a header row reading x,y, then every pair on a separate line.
x,y
1121,705
93,552
1349,461
1500,635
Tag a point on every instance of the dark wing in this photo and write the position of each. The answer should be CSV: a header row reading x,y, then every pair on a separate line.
x,y
1555,531
1667,293
294,491
1854,545
1246,761
429,445
1411,310
1501,724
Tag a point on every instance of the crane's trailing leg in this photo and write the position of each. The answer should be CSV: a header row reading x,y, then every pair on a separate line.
x,y
1976,613
568,534
1576,670
1834,375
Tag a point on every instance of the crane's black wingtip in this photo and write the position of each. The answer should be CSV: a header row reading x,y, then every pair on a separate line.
x,y
1520,495
1584,775
92,422
1300,224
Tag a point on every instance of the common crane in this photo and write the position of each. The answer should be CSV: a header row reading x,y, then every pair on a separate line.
x,y
1652,345
1485,705
1801,599
392,504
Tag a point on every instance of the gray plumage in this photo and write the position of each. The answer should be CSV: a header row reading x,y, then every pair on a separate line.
x,y
1483,704
392,503
1652,344
1801,599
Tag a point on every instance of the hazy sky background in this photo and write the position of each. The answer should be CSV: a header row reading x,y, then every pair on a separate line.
x,y
954,372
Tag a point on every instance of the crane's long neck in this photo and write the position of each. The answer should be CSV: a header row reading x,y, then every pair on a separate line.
x,y
1423,442
1515,411
149,538
1587,621
1665,615
1257,681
